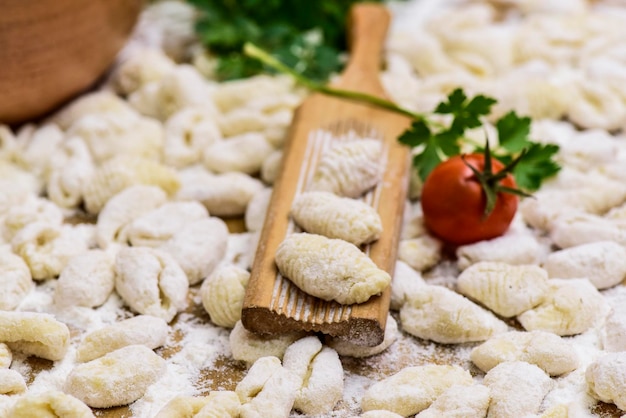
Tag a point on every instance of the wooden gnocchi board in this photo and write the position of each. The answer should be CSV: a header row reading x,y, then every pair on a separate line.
x,y
273,304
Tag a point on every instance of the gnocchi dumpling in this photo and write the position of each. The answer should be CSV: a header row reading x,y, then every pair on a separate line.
x,y
548,351
268,389
218,404
511,248
602,262
6,357
439,314
459,401
151,282
249,347
36,334
11,382
327,214
321,373
346,348
571,307
50,404
98,102
32,209
46,248
88,279
121,172
159,225
256,210
15,280
413,388
124,207
330,269
244,153
187,133
605,381
420,253
226,194
198,247
517,389
349,168
222,294
146,330
142,67
69,174
97,383
406,281
506,289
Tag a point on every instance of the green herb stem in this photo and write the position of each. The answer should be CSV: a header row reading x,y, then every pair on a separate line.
x,y
255,52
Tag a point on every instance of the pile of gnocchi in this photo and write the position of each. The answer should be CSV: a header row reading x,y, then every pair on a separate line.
x,y
116,238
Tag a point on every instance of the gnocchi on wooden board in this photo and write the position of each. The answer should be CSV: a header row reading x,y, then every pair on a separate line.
x,y
117,267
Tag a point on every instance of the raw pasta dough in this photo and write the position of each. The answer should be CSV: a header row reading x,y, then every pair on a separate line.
x,y
330,269
50,404
37,334
222,294
98,382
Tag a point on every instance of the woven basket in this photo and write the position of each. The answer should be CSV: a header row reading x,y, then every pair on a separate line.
x,y
52,50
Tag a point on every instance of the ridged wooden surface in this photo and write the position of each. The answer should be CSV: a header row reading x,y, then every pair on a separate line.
x,y
273,304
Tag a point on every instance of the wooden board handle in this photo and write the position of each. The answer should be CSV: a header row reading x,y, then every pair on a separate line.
x,y
367,31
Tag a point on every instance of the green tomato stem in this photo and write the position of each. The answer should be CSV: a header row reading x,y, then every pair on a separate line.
x,y
255,52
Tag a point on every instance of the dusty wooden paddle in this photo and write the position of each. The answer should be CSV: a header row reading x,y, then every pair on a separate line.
x,y
274,305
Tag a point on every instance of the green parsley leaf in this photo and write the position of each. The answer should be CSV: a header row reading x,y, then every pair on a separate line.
x,y
426,160
513,132
536,165
416,135
466,114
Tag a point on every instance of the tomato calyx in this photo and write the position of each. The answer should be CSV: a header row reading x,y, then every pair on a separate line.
x,y
490,181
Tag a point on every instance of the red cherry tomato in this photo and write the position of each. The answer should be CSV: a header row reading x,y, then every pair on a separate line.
x,y
453,202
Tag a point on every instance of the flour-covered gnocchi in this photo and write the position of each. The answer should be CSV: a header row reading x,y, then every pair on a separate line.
x,y
249,347
270,168
225,194
144,66
349,168
420,253
30,210
97,102
198,247
441,315
511,248
237,93
50,404
459,401
548,351
571,306
330,269
413,388
378,413
151,282
124,207
406,281
159,225
97,383
182,405
602,262
47,248
614,330
110,135
187,133
327,214
605,379
517,389
268,390
121,172
348,349
243,153
36,334
146,330
256,210
11,382
575,229
508,290
88,279
69,173
15,280
222,294
182,87
6,357
321,373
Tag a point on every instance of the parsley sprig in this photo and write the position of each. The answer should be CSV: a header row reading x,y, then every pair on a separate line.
x,y
433,141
